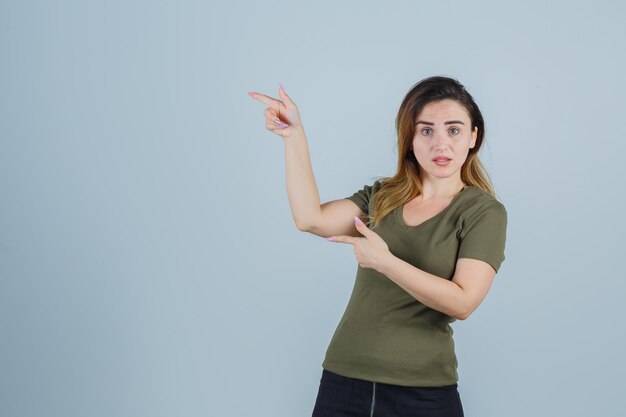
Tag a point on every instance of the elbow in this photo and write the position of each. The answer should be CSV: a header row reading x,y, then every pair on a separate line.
x,y
464,314
461,316
305,224
303,227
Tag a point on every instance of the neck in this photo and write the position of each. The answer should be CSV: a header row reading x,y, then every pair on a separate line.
x,y
444,188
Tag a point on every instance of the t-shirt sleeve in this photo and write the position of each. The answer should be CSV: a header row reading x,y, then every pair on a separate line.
x,y
483,235
362,197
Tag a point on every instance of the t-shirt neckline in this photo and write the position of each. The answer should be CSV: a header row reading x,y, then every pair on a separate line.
x,y
406,227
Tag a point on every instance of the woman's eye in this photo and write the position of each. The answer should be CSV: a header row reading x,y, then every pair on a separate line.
x,y
457,130
424,130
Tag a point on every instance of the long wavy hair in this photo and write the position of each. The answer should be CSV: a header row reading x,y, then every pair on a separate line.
x,y
405,185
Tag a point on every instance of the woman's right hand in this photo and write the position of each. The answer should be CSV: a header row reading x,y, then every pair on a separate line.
x,y
281,117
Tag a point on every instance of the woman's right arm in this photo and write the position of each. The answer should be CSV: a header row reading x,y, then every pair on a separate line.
x,y
329,219
332,218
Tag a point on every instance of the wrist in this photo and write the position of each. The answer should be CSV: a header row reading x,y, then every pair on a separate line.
x,y
386,263
295,132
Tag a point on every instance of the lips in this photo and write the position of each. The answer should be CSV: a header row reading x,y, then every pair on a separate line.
x,y
441,158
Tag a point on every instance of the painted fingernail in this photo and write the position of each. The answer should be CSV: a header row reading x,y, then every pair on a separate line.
x,y
280,123
357,220
330,239
281,86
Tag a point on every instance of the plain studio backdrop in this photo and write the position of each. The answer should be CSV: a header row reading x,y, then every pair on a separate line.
x,y
149,263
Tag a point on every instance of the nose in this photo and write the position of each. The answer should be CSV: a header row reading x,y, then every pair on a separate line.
x,y
440,140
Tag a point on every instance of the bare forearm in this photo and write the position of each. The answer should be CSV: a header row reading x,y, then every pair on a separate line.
x,y
437,293
302,192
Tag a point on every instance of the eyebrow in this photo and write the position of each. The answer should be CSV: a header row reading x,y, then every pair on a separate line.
x,y
449,122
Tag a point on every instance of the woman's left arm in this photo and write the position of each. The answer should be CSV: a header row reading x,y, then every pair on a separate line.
x,y
458,297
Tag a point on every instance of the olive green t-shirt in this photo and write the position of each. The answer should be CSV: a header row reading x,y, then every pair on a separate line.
x,y
385,334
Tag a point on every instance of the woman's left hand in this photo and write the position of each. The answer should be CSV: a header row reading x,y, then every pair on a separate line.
x,y
371,250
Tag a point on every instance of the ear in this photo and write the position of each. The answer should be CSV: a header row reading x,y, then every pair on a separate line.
x,y
474,136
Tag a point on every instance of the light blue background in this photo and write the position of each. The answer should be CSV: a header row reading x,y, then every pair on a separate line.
x,y
149,263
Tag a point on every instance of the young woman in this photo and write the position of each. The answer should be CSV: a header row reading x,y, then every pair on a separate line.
x,y
430,243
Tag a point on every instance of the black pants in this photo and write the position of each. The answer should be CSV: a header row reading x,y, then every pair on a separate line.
x,y
341,396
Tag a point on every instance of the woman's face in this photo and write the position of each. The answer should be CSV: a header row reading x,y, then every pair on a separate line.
x,y
443,130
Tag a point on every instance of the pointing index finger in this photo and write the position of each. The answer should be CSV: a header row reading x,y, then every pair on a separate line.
x,y
272,102
342,239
